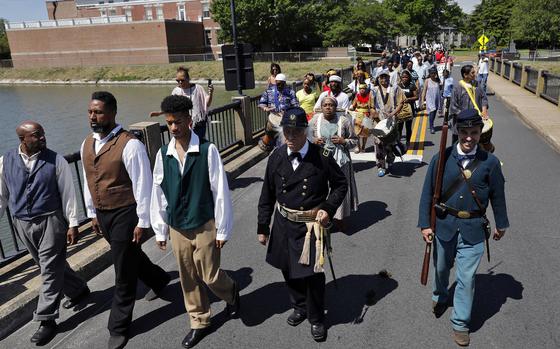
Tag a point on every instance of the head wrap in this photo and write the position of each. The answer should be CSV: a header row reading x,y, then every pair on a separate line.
x,y
280,77
331,98
335,78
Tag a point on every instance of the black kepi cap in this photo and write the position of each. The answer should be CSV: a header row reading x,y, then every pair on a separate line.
x,y
469,118
294,117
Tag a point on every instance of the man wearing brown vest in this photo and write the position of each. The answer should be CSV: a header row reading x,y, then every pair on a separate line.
x,y
119,180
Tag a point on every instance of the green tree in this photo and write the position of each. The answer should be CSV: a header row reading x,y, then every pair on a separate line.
x,y
492,17
424,18
4,46
364,22
528,18
278,24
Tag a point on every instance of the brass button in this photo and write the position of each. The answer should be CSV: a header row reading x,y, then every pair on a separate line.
x,y
283,191
305,179
283,184
303,193
460,197
301,208
305,187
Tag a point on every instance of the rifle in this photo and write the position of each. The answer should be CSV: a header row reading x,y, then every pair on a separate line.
x,y
437,194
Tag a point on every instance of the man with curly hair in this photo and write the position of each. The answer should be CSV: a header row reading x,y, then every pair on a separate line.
x,y
191,203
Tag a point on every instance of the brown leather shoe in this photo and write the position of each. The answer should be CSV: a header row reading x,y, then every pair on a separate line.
x,y
438,309
461,338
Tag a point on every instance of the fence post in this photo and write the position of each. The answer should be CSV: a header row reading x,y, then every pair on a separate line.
x,y
523,76
511,72
151,134
243,121
540,84
502,68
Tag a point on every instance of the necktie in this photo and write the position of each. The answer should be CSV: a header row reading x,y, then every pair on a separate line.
x,y
295,155
465,157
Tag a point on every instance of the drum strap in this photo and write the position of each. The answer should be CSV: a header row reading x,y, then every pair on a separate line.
x,y
471,92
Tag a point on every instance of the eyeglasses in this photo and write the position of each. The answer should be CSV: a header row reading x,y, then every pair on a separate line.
x,y
180,80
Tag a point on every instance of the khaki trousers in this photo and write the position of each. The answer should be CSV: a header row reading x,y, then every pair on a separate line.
x,y
199,262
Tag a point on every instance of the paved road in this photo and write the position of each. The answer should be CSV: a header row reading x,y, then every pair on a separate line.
x,y
517,299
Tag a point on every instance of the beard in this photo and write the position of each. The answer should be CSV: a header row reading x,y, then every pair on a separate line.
x,y
100,128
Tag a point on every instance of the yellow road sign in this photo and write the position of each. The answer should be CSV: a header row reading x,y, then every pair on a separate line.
x,y
483,48
483,40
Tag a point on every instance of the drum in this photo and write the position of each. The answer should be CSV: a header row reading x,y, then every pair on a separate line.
x,y
486,136
271,131
368,123
386,132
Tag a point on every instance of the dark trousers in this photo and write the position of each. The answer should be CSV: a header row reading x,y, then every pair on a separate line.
x,y
432,118
130,263
308,296
408,124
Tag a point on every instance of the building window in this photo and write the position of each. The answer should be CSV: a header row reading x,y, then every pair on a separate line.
x,y
182,13
103,12
208,37
205,10
149,15
159,12
112,12
128,12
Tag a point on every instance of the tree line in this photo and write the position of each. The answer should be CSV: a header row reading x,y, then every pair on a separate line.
x,y
301,24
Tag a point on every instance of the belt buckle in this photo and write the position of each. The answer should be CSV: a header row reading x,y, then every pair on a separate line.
x,y
464,214
326,152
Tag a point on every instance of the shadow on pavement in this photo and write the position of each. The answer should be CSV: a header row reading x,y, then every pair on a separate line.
x,y
97,303
491,292
174,295
364,166
404,169
262,304
350,302
369,213
244,182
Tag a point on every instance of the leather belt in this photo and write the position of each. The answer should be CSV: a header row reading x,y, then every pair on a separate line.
x,y
464,214
298,216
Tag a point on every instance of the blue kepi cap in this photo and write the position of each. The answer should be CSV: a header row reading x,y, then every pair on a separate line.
x,y
469,118
294,117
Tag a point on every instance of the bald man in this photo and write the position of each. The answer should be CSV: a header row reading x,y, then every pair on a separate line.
x,y
36,184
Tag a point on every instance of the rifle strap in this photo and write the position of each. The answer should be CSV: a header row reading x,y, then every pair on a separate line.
x,y
459,181
473,193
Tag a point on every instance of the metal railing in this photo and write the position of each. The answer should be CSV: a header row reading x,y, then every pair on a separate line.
x,y
221,130
532,79
551,88
70,22
203,57
517,72
258,116
507,69
499,66
492,62
11,246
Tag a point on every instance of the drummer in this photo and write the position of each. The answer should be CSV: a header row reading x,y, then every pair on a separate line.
x,y
389,101
275,100
363,104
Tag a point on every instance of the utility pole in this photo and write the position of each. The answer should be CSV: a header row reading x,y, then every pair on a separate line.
x,y
236,46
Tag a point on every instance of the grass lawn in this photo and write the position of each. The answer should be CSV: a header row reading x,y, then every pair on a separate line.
x,y
198,70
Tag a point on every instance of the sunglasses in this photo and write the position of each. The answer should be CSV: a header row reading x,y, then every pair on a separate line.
x,y
180,80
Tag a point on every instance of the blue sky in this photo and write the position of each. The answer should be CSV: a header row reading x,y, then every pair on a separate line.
x,y
26,10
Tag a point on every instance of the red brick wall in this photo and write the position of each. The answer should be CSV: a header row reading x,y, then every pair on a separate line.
x,y
104,44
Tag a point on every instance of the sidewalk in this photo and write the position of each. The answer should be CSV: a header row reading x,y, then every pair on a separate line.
x,y
537,113
20,280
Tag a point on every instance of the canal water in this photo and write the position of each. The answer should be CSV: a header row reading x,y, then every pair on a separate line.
x,y
62,110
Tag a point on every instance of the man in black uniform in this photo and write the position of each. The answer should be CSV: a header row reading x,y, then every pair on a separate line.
x,y
298,177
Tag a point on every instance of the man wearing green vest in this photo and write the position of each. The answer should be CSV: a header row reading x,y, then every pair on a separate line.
x,y
191,203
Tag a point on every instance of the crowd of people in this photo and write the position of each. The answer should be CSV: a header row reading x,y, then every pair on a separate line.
x,y
309,188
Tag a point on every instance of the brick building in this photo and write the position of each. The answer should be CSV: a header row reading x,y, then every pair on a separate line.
x,y
106,32
141,10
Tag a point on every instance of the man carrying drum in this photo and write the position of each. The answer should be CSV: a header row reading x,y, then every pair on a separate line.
x,y
275,100
468,95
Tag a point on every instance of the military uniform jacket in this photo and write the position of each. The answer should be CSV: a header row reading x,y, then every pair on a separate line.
x,y
487,180
303,189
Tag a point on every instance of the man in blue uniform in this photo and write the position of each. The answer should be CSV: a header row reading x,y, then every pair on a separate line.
x,y
308,187
460,232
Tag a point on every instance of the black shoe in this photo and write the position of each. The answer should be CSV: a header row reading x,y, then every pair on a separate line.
x,y
438,309
45,332
71,303
194,336
233,309
117,341
153,293
296,318
319,332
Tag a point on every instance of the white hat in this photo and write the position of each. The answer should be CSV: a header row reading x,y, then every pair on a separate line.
x,y
335,78
280,77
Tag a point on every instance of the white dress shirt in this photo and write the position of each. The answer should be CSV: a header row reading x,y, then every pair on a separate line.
x,y
465,162
302,151
137,164
64,181
223,209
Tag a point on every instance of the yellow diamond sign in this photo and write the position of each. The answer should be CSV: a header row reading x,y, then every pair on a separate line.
x,y
483,40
